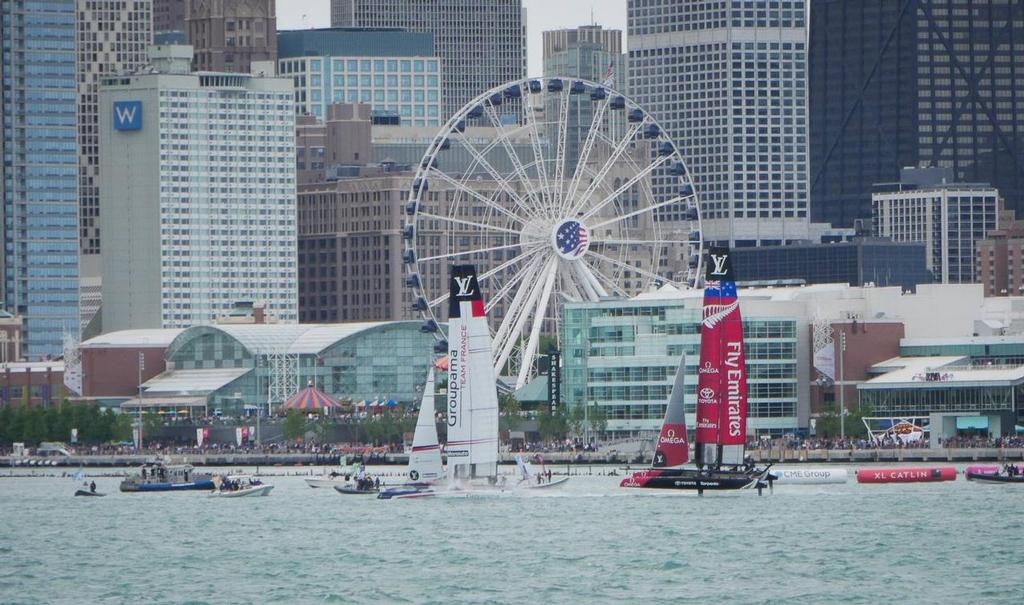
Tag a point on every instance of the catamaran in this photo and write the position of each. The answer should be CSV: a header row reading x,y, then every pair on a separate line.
x,y
721,431
471,409
425,469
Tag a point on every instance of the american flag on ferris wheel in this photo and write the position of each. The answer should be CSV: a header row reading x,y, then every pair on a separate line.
x,y
609,76
572,238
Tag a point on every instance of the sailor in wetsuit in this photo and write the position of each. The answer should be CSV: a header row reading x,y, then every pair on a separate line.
x,y
92,487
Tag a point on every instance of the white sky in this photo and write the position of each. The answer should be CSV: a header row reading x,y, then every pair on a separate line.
x,y
541,15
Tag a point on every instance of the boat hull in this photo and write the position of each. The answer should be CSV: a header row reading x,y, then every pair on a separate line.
x,y
350,490
696,480
202,485
85,492
254,491
545,485
328,483
988,478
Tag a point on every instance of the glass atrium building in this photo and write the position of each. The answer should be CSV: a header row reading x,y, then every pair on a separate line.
x,y
230,366
623,355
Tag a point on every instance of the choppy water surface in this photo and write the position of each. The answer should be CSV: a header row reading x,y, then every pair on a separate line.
x,y
591,542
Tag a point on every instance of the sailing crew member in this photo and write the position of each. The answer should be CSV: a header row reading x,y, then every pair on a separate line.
x,y
92,487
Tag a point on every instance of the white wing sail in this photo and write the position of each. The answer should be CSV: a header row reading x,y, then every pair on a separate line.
x,y
425,459
472,410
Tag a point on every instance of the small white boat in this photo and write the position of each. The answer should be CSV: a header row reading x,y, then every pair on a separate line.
x,y
528,479
251,490
239,487
543,485
336,476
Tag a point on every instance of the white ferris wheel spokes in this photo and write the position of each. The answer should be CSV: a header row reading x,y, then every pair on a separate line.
x,y
577,195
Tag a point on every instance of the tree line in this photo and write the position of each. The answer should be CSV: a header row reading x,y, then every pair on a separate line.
x,y
33,425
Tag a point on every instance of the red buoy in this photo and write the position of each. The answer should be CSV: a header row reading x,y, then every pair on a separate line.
x,y
906,474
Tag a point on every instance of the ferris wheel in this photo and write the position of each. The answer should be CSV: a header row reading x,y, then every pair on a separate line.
x,y
557,190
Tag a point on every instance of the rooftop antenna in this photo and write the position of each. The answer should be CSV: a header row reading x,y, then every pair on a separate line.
x,y
592,21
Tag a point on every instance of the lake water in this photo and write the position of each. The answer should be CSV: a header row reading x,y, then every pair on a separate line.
x,y
590,542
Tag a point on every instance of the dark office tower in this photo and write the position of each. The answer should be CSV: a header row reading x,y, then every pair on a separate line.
x,y
228,35
481,43
897,83
169,16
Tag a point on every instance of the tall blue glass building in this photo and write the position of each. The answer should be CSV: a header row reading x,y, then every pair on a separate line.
x,y
40,170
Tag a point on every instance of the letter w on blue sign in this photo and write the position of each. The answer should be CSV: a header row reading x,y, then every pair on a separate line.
x,y
128,115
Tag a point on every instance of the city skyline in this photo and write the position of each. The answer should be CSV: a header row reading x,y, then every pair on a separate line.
x,y
541,16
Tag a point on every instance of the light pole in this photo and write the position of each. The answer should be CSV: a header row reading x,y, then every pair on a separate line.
x,y
842,387
142,366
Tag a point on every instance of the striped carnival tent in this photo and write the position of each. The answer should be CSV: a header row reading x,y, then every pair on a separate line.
x,y
310,398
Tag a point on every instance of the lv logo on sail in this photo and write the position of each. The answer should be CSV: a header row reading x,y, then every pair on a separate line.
x,y
463,284
719,260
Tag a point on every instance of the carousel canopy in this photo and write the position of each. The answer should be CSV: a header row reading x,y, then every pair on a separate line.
x,y
310,398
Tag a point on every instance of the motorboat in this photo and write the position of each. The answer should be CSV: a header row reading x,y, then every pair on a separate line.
x,y
239,487
85,492
352,488
337,476
528,479
162,477
1009,474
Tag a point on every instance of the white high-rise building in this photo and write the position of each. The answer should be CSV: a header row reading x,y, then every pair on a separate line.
x,y
950,218
113,38
728,81
197,193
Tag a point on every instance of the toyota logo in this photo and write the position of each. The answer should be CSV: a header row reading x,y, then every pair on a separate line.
x,y
707,393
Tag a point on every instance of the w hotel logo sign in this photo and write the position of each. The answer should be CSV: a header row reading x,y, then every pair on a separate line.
x,y
128,115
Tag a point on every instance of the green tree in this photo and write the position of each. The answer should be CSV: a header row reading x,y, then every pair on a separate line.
x,y
120,428
575,420
598,417
829,424
552,426
510,409
294,425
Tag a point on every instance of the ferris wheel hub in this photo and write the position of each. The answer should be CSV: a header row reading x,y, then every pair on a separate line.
x,y
570,238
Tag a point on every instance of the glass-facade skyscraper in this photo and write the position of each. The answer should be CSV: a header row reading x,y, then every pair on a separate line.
x,y
913,83
394,71
481,43
590,53
40,170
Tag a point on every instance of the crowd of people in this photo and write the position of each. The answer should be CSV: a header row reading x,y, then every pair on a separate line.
x,y
887,442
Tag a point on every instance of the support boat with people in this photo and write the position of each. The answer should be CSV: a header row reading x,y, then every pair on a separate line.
x,y
158,476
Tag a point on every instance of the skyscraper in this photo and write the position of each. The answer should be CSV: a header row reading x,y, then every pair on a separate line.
x,y
40,170
590,53
394,71
914,83
228,35
197,194
112,38
728,82
169,16
481,43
